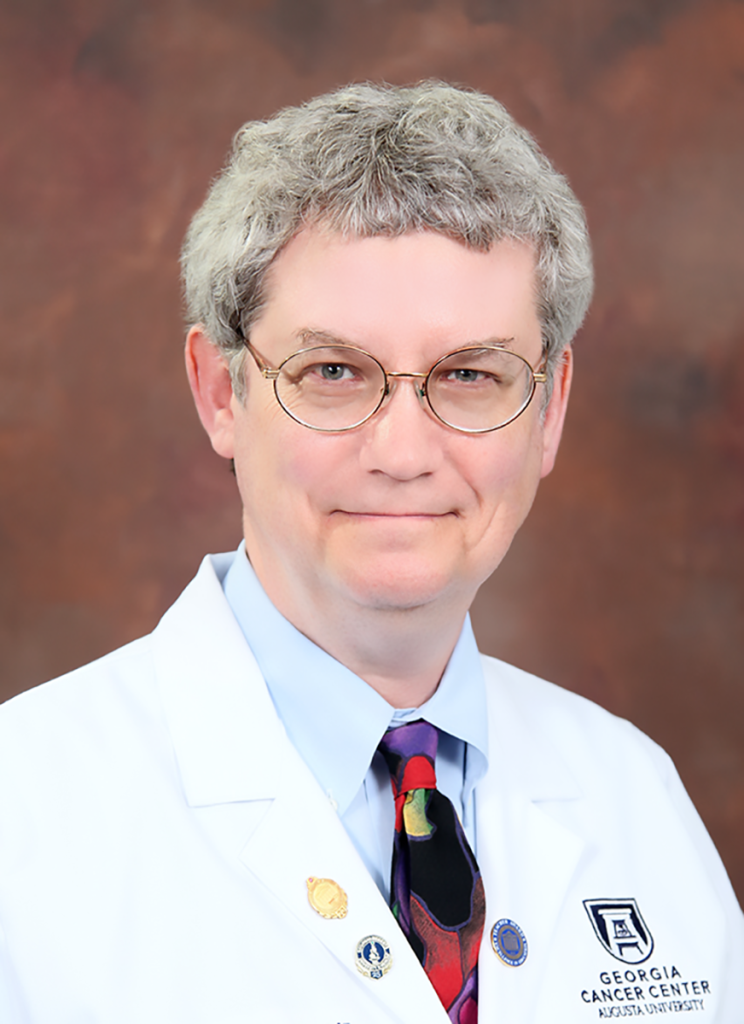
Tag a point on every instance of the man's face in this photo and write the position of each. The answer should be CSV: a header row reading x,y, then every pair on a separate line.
x,y
402,511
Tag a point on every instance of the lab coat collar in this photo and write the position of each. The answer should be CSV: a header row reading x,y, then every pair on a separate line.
x,y
524,757
223,725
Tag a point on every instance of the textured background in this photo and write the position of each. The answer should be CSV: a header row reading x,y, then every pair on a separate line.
x,y
626,584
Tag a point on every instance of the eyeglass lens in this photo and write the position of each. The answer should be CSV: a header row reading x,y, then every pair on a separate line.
x,y
336,388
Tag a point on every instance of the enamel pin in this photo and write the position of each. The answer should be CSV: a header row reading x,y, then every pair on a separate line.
x,y
327,898
373,956
509,943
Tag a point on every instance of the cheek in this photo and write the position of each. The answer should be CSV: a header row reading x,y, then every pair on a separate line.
x,y
504,479
310,462
293,473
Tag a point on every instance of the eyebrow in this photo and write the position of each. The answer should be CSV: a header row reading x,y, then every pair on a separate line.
x,y
308,335
311,336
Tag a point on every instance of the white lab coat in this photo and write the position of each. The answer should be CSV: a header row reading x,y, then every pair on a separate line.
x,y
157,830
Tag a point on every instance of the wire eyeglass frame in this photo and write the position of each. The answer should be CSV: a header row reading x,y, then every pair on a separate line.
x,y
273,373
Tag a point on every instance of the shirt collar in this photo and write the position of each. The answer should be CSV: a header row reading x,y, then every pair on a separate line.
x,y
335,719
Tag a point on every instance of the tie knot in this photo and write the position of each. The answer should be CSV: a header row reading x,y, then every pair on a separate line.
x,y
410,753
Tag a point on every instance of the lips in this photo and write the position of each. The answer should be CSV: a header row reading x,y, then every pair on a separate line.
x,y
396,515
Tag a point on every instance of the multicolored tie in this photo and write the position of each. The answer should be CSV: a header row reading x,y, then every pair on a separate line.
x,y
436,890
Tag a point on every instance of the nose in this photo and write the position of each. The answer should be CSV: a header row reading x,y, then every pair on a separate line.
x,y
404,440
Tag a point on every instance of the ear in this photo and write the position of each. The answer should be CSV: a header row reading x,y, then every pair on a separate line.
x,y
555,414
211,387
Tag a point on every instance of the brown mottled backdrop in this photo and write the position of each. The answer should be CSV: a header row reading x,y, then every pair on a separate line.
x,y
627,582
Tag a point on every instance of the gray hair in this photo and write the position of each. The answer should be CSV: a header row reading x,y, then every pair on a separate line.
x,y
383,160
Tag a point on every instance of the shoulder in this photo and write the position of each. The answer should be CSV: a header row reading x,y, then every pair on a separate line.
x,y
544,702
68,745
88,691
596,745
107,702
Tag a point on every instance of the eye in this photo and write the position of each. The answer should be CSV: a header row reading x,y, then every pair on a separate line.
x,y
333,371
465,376
329,371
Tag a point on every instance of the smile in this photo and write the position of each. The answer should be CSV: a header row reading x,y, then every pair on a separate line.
x,y
396,515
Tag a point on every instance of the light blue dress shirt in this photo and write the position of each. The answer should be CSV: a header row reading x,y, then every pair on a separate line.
x,y
335,720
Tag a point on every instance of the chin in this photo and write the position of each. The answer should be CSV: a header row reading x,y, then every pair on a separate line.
x,y
397,588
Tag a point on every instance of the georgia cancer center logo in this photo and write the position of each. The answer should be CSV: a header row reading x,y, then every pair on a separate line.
x,y
620,928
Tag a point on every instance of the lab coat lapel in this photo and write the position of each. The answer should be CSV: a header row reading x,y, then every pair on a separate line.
x,y
231,748
528,858
301,836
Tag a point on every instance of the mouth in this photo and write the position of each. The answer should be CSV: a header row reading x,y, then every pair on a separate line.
x,y
395,515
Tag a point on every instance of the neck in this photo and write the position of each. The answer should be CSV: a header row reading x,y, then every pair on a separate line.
x,y
400,652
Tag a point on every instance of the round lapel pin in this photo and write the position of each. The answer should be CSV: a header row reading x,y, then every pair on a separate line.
x,y
509,943
373,956
327,898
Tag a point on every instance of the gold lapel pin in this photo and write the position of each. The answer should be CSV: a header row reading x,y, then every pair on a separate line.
x,y
327,898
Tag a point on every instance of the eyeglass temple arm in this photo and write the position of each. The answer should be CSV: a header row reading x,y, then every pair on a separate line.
x,y
541,376
268,372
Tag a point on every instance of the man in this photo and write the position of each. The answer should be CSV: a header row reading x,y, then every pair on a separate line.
x,y
382,287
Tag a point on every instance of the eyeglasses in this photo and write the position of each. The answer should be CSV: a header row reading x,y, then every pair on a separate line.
x,y
334,388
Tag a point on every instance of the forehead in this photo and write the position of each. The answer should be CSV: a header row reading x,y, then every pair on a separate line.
x,y
419,287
